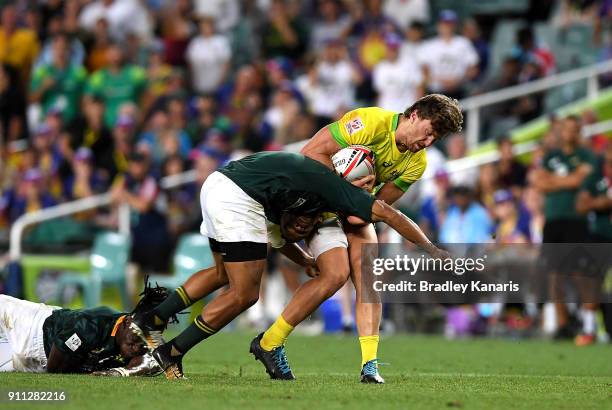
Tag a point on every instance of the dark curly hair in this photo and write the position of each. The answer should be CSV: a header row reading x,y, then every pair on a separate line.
x,y
444,113
150,297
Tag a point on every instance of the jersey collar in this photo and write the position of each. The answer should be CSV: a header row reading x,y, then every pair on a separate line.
x,y
395,122
117,323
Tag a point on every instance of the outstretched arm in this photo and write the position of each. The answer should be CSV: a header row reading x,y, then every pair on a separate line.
x,y
406,227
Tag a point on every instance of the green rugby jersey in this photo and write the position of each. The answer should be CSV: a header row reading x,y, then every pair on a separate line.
x,y
562,204
282,180
84,335
115,89
66,92
598,184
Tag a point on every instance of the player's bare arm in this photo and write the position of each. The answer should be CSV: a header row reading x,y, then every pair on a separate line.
x,y
59,362
405,226
389,193
321,147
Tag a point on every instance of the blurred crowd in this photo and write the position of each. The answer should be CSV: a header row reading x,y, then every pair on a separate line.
x,y
114,95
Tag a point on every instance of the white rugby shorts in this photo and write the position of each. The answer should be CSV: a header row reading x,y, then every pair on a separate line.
x,y
328,236
21,335
229,214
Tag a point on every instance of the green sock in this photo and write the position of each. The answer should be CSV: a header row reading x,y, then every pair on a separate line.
x,y
194,334
176,302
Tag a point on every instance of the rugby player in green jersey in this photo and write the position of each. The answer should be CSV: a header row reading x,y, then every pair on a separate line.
x,y
266,197
39,338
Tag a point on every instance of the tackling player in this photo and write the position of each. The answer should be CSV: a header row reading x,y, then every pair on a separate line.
x,y
398,142
289,190
38,338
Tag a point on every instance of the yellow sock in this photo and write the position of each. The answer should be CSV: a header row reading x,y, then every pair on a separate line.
x,y
369,348
276,335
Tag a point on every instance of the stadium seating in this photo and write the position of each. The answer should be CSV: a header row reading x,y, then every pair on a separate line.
x,y
109,258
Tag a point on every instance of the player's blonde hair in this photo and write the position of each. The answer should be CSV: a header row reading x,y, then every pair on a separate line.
x,y
443,112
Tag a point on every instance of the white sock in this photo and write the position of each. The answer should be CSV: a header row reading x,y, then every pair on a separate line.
x,y
588,321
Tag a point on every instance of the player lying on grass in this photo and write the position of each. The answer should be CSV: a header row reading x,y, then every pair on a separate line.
x,y
285,189
398,142
38,338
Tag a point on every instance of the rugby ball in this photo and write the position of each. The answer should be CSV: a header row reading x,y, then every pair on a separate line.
x,y
354,162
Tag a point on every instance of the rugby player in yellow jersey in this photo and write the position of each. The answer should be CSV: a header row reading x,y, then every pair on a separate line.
x,y
398,141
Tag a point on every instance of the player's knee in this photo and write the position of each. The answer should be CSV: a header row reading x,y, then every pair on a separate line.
x,y
247,299
333,283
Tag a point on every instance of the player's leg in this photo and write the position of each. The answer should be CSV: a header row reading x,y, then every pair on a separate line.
x,y
244,280
328,246
334,271
367,312
198,286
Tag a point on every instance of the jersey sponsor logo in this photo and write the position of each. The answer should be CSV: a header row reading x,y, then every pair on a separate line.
x,y
387,164
354,125
73,342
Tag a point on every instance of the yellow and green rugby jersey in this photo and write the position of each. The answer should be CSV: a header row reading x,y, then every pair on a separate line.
x,y
375,128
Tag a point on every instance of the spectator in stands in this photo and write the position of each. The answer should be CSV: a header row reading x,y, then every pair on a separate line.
x,y
117,84
488,185
28,195
208,55
206,160
225,13
282,114
88,130
76,50
285,34
160,141
13,123
97,46
330,24
206,117
404,13
449,59
562,173
85,180
413,40
471,31
510,227
511,173
434,207
123,16
456,149
19,47
150,239
241,92
60,84
534,206
329,87
158,71
466,220
48,154
594,197
398,82
176,31
179,199
123,140
531,52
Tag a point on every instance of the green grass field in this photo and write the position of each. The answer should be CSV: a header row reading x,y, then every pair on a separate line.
x,y
423,373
